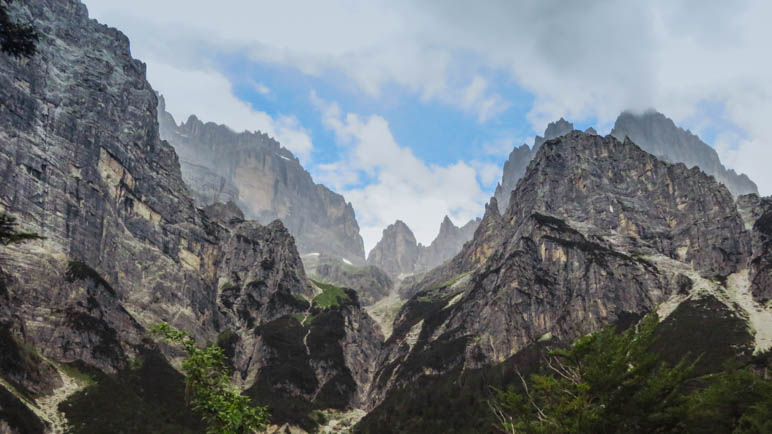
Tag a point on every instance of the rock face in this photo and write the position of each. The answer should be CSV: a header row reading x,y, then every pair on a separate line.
x,y
370,282
399,254
397,251
448,243
514,167
757,213
652,132
598,231
266,181
658,135
82,164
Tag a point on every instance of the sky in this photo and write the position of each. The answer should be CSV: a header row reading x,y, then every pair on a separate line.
x,y
409,109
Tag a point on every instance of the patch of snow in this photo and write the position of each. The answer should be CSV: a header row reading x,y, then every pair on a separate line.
x,y
347,261
286,158
312,254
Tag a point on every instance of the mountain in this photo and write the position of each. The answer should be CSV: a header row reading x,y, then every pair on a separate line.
x,y
399,254
265,180
514,167
653,132
370,282
597,232
658,135
82,164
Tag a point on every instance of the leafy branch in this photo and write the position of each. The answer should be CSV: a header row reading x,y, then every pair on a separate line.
x,y
208,388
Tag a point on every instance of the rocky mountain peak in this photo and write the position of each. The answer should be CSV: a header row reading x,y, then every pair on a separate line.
x,y
554,130
412,257
659,135
447,227
266,181
598,231
652,131
518,160
397,251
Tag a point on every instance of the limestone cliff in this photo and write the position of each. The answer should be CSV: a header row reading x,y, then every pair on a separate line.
x,y
653,132
598,231
400,255
82,164
266,181
658,135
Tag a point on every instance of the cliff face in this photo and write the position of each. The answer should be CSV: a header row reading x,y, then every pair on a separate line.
x,y
370,282
397,251
514,167
399,254
267,182
652,132
658,135
598,231
82,164
448,243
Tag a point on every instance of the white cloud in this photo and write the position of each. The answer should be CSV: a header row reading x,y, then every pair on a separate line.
x,y
262,89
487,173
208,95
402,186
580,60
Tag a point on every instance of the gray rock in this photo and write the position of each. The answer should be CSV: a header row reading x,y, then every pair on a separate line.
x,y
658,135
652,131
397,251
589,238
400,255
266,181
82,163
514,167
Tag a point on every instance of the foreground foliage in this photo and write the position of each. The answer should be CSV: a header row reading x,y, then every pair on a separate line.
x,y
610,382
209,389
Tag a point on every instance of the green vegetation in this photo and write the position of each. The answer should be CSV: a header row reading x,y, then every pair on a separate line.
x,y
8,233
331,295
72,371
146,397
220,405
610,382
450,282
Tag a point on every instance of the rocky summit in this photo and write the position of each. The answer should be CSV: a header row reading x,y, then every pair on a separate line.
x,y
399,254
117,224
265,180
653,132
598,231
125,247
659,135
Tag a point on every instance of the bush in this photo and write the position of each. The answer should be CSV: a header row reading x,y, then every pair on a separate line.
x,y
209,390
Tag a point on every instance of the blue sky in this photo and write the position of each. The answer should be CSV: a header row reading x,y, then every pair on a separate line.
x,y
409,109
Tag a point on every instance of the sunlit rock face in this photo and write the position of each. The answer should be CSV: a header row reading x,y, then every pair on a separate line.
x,y
652,132
597,231
266,181
82,164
